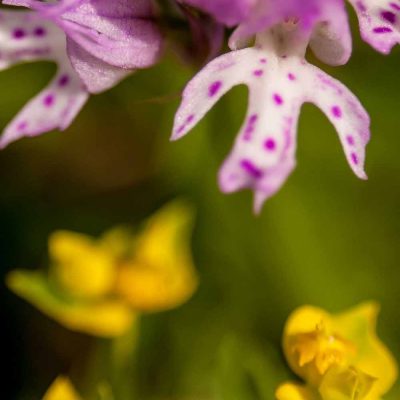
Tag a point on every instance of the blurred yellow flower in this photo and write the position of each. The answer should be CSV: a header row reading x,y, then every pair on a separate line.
x,y
339,357
100,286
61,389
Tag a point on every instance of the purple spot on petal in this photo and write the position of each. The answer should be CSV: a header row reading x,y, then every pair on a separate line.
x,y
395,6
270,144
388,16
63,81
258,72
253,118
263,60
251,169
19,33
354,158
360,5
278,99
39,31
383,29
350,140
291,77
250,127
22,126
48,101
190,118
336,111
214,88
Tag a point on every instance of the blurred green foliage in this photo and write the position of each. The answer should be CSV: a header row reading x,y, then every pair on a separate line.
x,y
325,238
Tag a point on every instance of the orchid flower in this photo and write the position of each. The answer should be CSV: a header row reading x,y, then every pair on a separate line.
x,y
94,44
280,80
379,19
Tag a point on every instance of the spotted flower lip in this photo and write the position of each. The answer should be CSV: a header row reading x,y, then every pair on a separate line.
x,y
95,45
24,36
279,81
103,39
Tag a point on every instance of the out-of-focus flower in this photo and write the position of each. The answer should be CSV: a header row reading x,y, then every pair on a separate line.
x,y
206,36
95,44
229,12
100,286
280,80
339,357
61,389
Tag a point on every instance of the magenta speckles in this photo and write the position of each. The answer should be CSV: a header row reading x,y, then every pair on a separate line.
x,y
361,7
383,29
354,158
291,76
18,33
389,16
278,100
39,31
395,6
214,88
263,60
350,140
63,80
187,122
337,112
249,167
258,72
270,144
22,126
250,126
49,100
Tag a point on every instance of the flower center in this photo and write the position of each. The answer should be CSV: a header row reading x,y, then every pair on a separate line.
x,y
321,349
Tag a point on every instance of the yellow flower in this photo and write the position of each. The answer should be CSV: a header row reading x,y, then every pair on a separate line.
x,y
339,357
61,389
99,286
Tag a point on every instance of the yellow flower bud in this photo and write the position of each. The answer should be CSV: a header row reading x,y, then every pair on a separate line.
x,y
61,389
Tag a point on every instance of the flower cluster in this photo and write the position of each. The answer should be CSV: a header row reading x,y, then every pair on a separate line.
x,y
96,43
100,286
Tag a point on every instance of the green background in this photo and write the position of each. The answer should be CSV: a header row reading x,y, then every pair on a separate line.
x,y
326,238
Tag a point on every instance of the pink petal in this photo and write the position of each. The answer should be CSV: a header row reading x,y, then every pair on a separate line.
x,y
379,22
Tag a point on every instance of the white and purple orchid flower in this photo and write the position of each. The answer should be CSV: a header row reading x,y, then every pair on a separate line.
x,y
280,80
95,44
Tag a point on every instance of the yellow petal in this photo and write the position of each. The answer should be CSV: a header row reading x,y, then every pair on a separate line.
x,y
99,318
150,290
81,267
61,389
346,383
294,391
298,351
372,357
161,275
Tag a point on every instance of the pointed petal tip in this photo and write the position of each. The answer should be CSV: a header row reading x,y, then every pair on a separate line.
x,y
259,201
4,141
